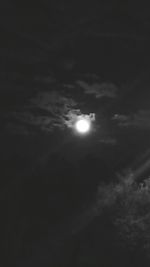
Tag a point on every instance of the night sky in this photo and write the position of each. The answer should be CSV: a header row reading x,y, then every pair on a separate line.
x,y
70,198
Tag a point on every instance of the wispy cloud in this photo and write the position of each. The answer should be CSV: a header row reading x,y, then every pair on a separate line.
x,y
99,90
75,114
53,102
141,119
44,111
108,141
56,105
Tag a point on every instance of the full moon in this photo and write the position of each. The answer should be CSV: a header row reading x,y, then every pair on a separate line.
x,y
83,126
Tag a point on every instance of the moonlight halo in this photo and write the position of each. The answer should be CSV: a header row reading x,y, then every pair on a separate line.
x,y
79,122
83,126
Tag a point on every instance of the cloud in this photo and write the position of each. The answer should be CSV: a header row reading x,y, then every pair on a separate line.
x,y
108,141
52,101
45,112
44,123
99,90
56,105
75,114
141,119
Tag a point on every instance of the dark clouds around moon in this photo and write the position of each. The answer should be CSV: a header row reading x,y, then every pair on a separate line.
x,y
48,108
61,60
104,39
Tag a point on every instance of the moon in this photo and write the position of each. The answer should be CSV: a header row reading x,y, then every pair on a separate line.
x,y
83,126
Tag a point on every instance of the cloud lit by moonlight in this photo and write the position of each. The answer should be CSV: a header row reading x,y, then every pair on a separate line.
x,y
80,123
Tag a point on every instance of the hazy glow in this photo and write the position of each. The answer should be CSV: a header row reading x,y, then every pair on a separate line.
x,y
83,126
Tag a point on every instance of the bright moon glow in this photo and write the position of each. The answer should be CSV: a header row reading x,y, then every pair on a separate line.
x,y
83,126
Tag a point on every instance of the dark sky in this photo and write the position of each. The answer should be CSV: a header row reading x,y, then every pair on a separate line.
x,y
59,60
